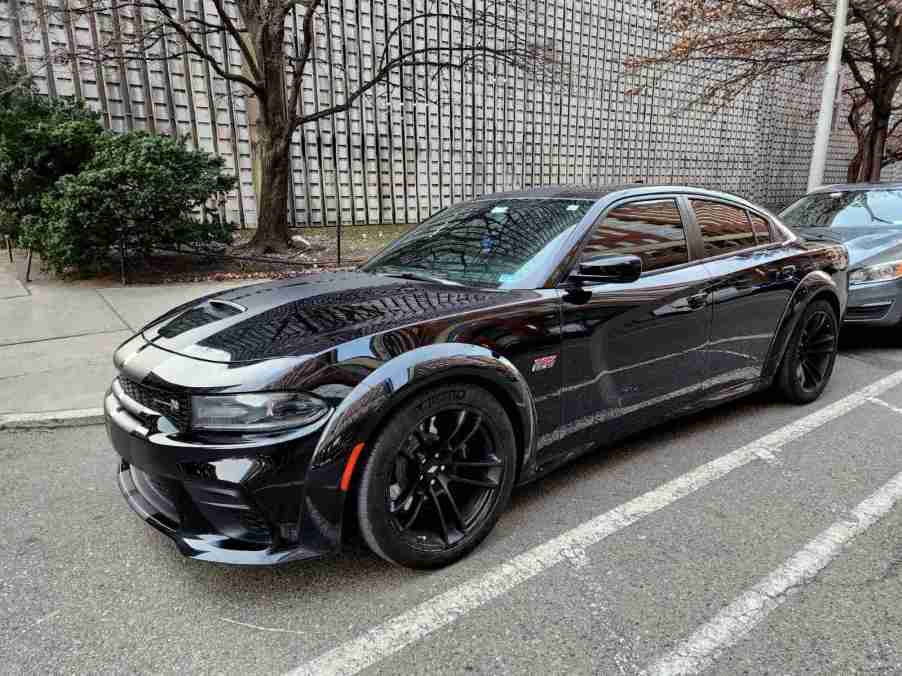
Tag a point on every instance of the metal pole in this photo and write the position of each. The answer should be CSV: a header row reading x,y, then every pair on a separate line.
x,y
825,117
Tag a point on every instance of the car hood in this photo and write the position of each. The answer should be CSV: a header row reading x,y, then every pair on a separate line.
x,y
306,315
866,246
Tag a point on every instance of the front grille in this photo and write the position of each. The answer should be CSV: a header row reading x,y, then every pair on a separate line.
x,y
174,405
868,312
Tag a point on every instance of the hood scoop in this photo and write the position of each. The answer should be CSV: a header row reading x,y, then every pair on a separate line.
x,y
200,315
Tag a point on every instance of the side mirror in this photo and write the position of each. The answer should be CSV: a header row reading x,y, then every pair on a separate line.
x,y
608,270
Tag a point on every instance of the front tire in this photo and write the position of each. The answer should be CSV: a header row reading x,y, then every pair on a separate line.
x,y
810,355
438,477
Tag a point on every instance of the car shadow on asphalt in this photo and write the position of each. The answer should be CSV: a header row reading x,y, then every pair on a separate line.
x,y
860,337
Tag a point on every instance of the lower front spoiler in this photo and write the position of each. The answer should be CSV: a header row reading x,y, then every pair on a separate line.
x,y
213,547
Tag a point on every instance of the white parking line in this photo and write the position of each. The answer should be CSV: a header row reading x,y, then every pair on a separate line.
x,y
735,621
403,630
885,404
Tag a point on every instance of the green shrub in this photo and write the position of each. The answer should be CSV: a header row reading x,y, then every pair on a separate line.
x,y
41,140
138,187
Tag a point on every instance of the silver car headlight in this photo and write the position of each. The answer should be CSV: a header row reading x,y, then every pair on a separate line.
x,y
882,272
260,412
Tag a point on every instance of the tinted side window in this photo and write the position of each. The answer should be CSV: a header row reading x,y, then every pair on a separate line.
x,y
652,230
761,228
724,228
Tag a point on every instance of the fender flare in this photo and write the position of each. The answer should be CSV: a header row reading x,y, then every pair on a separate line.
x,y
364,408
816,284
363,411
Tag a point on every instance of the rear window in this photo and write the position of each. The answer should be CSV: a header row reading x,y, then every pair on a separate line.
x,y
847,209
725,228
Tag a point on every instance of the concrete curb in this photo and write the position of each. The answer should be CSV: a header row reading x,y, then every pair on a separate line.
x,y
51,419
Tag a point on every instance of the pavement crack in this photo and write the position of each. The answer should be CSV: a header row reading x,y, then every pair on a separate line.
x,y
259,628
115,311
50,616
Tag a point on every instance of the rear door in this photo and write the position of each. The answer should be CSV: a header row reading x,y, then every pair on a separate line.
x,y
635,353
753,280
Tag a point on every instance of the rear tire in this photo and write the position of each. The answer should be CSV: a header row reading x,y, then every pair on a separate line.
x,y
810,355
438,477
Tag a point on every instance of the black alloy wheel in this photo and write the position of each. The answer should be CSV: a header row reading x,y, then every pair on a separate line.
x,y
811,354
438,477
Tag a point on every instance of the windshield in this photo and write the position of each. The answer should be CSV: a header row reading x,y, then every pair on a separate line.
x,y
491,243
847,209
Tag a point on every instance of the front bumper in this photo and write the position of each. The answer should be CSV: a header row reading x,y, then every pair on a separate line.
x,y
877,304
242,500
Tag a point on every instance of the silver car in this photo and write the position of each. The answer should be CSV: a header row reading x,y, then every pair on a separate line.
x,y
867,219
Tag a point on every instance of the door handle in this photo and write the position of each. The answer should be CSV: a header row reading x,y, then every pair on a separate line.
x,y
697,301
787,272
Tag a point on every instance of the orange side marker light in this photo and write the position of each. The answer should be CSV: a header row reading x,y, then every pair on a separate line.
x,y
349,468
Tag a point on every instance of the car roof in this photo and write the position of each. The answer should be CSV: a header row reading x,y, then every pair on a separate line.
x,y
848,187
597,192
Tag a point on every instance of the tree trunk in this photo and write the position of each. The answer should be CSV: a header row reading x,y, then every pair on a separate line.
x,y
878,146
855,164
265,23
872,143
272,234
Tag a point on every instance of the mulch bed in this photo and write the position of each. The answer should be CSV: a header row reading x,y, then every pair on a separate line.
x,y
319,254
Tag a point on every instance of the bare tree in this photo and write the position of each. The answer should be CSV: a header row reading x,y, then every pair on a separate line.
x,y
861,122
739,43
430,41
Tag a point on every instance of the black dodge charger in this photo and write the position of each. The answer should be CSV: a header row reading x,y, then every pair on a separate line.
x,y
488,345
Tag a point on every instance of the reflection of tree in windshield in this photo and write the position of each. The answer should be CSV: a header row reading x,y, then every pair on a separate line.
x,y
846,209
482,242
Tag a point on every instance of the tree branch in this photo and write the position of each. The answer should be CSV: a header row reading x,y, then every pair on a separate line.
x,y
299,65
232,30
201,52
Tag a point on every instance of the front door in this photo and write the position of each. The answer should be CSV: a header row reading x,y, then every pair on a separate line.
x,y
634,353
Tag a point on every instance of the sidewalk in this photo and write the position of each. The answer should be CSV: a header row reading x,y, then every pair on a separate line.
x,y
57,339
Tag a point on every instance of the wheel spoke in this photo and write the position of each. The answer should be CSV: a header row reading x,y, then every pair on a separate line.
x,y
454,508
441,516
473,482
414,513
467,463
811,373
472,427
820,350
420,436
817,322
824,340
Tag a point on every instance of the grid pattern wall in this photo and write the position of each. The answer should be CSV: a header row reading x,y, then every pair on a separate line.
x,y
406,151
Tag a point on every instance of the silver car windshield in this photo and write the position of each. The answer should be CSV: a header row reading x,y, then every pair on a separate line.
x,y
846,209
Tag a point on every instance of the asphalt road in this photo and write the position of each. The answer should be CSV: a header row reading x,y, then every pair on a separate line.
x,y
756,538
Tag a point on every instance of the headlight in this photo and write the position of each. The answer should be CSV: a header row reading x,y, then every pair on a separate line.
x,y
877,273
265,412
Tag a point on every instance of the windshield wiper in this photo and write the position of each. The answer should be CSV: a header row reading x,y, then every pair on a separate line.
x,y
419,276
819,237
